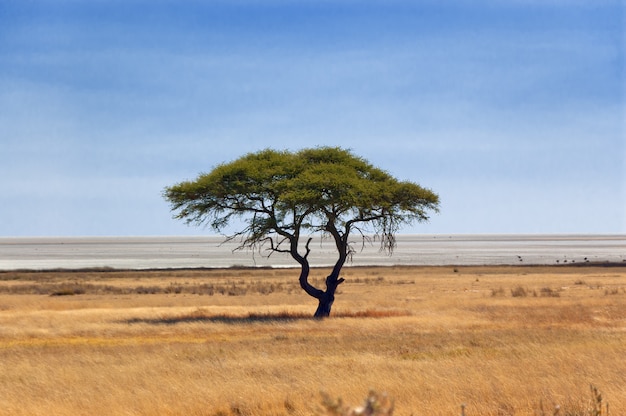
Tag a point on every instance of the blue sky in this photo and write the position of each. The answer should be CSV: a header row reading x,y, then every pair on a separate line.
x,y
513,111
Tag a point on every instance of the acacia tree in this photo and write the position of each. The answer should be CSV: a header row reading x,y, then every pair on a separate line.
x,y
284,198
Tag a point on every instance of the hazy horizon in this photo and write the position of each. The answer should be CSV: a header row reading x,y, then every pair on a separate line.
x,y
196,251
405,234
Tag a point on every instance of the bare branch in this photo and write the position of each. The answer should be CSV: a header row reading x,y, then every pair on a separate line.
x,y
307,248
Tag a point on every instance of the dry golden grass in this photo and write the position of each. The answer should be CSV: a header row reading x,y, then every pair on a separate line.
x,y
432,338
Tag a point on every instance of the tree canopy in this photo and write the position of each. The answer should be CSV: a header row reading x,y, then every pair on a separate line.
x,y
283,197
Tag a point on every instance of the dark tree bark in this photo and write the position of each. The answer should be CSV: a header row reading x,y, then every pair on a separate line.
x,y
333,280
328,297
325,297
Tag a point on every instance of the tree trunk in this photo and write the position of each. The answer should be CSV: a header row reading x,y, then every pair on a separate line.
x,y
328,297
324,306
341,242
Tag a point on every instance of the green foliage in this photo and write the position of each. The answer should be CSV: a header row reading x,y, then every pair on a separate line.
x,y
289,192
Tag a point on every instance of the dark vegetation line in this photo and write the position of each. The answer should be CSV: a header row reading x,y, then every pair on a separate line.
x,y
202,316
107,269
226,287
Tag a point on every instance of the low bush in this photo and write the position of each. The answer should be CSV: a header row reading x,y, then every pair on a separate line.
x,y
549,293
519,292
499,292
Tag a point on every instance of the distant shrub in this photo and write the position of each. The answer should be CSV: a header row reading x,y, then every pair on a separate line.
x,y
147,290
372,313
499,292
366,280
68,291
614,291
549,293
204,289
519,292
174,288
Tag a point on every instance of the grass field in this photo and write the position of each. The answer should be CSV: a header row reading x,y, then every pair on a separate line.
x,y
500,340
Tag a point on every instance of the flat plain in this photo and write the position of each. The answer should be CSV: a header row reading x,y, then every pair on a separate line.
x,y
502,340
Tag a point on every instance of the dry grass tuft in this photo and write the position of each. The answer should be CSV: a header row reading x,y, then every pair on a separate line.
x,y
375,404
595,406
